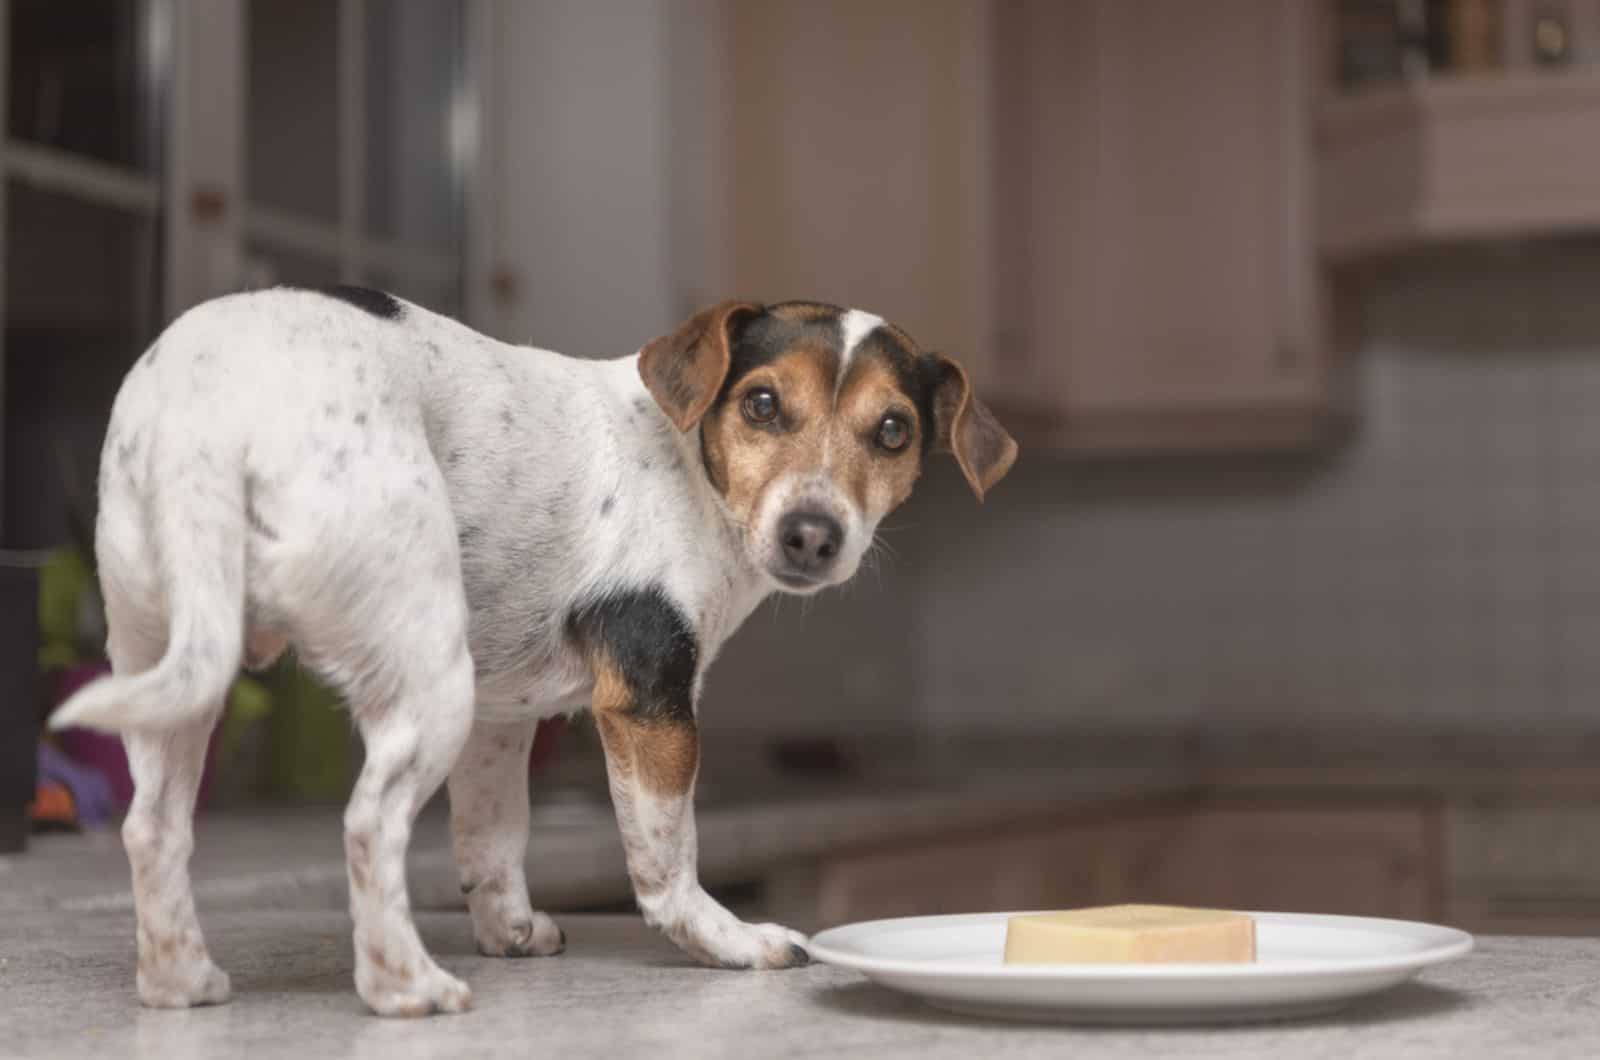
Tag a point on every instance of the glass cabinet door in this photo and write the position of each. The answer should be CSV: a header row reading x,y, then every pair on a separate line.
x,y
80,170
160,152
354,145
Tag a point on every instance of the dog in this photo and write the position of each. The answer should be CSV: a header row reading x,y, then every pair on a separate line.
x,y
464,537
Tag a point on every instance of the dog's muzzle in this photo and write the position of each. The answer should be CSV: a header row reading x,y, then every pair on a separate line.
x,y
809,543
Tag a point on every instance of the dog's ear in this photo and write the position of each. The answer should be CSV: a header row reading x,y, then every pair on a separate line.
x,y
963,425
684,371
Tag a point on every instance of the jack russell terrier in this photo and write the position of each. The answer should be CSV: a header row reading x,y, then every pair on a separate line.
x,y
465,537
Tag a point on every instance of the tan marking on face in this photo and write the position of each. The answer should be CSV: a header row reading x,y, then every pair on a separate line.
x,y
804,312
877,480
744,459
815,436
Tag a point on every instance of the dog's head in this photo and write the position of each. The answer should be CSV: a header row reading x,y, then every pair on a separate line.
x,y
814,423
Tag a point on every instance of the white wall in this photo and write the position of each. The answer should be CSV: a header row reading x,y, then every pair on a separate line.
x,y
1441,571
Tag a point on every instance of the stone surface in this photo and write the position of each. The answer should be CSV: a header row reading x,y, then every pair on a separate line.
x,y
66,990
271,888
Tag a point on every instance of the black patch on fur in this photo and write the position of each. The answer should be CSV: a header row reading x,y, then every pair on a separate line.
x,y
760,339
378,303
650,643
507,418
151,354
608,504
361,419
453,458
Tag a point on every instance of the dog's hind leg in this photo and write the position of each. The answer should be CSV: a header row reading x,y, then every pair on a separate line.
x,y
386,623
174,970
489,828
411,741
173,638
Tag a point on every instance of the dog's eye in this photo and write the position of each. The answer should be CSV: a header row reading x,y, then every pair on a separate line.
x,y
893,433
761,405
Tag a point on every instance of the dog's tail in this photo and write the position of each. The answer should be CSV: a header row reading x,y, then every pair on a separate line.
x,y
198,528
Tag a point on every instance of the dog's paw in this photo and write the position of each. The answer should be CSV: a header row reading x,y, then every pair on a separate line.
x,y
429,991
184,986
533,935
411,990
742,946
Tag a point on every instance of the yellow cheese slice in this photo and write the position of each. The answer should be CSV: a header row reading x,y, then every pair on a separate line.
x,y
1130,934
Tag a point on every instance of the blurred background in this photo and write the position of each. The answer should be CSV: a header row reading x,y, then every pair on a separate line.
x,y
1293,600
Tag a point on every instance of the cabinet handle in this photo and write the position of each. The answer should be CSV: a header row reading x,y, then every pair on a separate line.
x,y
505,283
208,203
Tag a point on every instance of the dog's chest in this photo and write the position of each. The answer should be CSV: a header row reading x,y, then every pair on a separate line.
x,y
593,499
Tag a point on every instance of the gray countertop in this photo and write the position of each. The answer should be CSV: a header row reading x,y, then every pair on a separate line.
x,y
271,890
66,989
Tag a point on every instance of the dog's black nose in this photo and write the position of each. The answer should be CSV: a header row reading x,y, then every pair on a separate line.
x,y
810,541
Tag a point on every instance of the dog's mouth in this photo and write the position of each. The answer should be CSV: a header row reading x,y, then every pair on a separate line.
x,y
795,581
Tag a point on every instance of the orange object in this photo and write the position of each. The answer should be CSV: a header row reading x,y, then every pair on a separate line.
x,y
52,805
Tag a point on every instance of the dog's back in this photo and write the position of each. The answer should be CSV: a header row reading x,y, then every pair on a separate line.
x,y
271,445
238,440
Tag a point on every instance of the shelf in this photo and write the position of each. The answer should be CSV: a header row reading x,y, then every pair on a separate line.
x,y
1450,158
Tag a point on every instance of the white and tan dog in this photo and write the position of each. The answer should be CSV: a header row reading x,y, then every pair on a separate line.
x,y
465,537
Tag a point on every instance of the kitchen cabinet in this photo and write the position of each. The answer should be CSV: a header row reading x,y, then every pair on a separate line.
x,y
1349,858
1042,866
1497,155
856,171
1525,867
1155,247
1360,860
1103,206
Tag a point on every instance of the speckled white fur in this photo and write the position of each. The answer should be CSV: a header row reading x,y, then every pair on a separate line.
x,y
284,468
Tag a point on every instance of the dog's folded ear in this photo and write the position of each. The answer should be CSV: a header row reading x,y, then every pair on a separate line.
x,y
684,371
964,426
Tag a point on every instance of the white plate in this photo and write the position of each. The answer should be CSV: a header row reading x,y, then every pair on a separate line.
x,y
1305,965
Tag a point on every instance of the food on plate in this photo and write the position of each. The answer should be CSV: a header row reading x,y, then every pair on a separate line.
x,y
1131,934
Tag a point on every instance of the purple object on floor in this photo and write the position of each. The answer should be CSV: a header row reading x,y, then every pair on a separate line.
x,y
103,751
98,750
92,798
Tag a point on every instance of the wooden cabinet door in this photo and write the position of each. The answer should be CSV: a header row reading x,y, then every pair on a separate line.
x,y
1313,858
853,164
1162,258
1365,861
1056,866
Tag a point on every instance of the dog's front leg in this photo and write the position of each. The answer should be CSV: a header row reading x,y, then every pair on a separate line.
x,y
651,760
